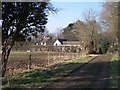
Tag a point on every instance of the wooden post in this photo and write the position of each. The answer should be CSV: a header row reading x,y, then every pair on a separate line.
x,y
74,55
29,62
59,57
59,54
48,58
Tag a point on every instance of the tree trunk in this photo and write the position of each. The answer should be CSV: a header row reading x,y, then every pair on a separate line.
x,y
4,59
6,48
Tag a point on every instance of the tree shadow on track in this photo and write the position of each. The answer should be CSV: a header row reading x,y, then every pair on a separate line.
x,y
94,75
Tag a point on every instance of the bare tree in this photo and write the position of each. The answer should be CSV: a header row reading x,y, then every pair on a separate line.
x,y
109,16
88,31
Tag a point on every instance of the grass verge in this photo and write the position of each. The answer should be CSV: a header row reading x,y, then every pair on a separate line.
x,y
114,74
40,77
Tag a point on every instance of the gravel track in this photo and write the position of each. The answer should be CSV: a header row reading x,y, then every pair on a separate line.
x,y
94,75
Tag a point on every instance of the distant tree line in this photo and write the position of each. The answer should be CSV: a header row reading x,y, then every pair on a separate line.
x,y
97,33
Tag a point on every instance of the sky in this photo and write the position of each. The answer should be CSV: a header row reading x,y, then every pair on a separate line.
x,y
69,12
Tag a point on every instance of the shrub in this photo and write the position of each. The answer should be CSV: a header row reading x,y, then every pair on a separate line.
x,y
104,45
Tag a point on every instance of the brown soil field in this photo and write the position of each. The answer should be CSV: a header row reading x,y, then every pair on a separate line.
x,y
19,61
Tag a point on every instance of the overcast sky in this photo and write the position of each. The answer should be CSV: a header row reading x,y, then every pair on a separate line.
x,y
70,12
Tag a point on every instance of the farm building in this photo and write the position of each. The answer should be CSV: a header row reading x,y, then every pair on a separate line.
x,y
71,43
47,41
58,42
64,42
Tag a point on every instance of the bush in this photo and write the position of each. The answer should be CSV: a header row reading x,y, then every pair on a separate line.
x,y
104,45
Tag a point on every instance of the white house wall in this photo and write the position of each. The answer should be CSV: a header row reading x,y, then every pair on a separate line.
x,y
57,43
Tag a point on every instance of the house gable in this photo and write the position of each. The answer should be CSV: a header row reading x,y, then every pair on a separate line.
x,y
57,43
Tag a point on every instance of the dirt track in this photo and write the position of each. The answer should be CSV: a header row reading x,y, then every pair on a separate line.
x,y
95,74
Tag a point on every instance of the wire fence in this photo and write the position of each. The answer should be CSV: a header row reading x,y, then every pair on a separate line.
x,y
48,48
25,61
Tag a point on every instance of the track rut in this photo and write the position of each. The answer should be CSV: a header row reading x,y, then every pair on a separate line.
x,y
94,75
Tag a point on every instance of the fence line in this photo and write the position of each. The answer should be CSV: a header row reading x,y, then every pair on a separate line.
x,y
48,48
37,59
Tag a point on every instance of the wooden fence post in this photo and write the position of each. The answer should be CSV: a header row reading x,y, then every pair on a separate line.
x,y
48,58
29,62
59,57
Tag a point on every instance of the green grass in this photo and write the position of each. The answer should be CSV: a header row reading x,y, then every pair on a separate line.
x,y
39,78
114,72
